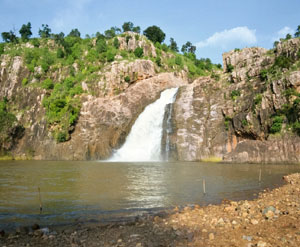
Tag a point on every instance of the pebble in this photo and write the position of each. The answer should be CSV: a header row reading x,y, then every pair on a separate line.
x,y
249,238
261,244
254,222
211,236
139,245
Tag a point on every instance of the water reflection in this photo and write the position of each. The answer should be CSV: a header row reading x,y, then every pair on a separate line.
x,y
93,190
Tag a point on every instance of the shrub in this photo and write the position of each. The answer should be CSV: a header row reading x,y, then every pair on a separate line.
x,y
35,42
61,136
110,56
127,78
158,61
138,52
263,74
116,43
48,84
230,68
24,81
258,99
60,53
178,60
123,53
276,125
234,94
2,45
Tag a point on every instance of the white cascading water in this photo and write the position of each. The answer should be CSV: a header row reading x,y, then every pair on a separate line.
x,y
144,140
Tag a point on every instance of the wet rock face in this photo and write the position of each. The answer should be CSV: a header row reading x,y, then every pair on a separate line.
x,y
198,121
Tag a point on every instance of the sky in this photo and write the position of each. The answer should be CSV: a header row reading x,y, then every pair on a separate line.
x,y
214,26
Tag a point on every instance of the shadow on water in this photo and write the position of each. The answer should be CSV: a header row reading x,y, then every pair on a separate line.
x,y
100,191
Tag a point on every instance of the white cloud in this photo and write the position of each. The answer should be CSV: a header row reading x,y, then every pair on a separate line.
x,y
235,37
282,33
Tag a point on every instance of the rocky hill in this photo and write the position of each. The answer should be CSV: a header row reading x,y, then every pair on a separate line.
x,y
77,99
251,114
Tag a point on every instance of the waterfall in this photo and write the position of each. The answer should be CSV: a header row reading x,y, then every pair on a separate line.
x,y
144,140
167,131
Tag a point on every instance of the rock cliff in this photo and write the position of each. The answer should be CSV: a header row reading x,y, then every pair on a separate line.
x,y
247,113
250,114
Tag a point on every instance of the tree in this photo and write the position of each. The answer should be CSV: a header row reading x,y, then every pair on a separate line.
x,y
188,47
297,34
173,45
74,33
275,44
45,32
25,31
9,37
127,26
59,38
155,34
112,32
138,52
136,29
288,36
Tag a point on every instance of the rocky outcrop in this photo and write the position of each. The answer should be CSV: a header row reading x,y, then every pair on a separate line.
x,y
198,121
103,124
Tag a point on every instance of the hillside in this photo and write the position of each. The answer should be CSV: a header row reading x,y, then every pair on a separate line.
x,y
73,99
52,87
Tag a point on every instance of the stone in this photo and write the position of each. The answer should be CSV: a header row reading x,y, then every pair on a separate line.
x,y
254,221
139,245
248,238
261,244
211,236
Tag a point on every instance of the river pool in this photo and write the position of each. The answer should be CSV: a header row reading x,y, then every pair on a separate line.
x,y
100,192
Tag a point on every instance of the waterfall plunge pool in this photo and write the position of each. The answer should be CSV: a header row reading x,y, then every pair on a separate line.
x,y
99,191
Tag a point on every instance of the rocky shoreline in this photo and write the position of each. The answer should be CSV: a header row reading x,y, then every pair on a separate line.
x,y
273,219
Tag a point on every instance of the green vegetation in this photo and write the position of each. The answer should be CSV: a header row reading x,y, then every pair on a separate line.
x,y
138,52
234,94
155,34
277,124
78,60
227,122
230,68
258,99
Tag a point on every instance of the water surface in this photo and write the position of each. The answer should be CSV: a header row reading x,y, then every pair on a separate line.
x,y
84,191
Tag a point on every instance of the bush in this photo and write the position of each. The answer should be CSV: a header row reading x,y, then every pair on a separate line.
x,y
230,68
258,99
127,78
234,94
2,45
110,56
61,136
138,52
276,125
35,42
48,84
116,43
60,53
263,75
158,61
178,60
24,81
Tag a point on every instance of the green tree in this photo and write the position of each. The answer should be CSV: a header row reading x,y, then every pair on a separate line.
x,y
45,32
116,43
74,33
173,45
188,47
9,37
155,34
138,52
136,29
127,26
25,31
275,44
288,36
297,34
59,38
